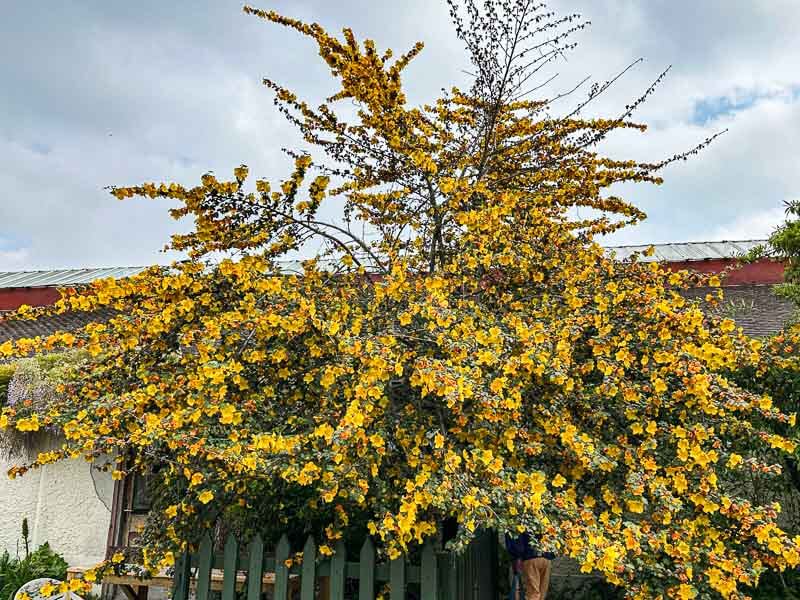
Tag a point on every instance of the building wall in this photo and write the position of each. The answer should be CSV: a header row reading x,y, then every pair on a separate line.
x,y
13,298
64,505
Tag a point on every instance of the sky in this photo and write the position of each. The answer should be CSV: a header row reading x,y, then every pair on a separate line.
x,y
110,93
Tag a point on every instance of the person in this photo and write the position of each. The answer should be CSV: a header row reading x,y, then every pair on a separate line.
x,y
530,565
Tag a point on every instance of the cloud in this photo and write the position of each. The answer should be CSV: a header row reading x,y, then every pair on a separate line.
x,y
750,226
12,260
748,171
159,91
709,109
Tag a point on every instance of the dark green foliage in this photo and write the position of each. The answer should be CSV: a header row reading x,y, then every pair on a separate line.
x,y
777,586
784,244
785,241
15,572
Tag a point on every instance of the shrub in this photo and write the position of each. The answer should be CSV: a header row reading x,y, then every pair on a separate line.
x,y
42,562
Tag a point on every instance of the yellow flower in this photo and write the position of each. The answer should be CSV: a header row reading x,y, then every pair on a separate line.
x,y
635,505
229,415
28,424
497,385
734,460
206,496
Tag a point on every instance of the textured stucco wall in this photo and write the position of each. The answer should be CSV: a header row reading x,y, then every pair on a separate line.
x,y
62,507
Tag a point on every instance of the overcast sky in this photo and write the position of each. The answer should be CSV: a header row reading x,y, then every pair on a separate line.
x,y
96,93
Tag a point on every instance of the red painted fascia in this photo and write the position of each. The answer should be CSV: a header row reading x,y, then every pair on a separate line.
x,y
13,298
765,271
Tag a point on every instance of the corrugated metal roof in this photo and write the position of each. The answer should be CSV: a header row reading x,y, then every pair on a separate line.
x,y
62,277
663,252
689,250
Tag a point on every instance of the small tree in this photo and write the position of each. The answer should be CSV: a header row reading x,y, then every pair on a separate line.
x,y
784,244
459,347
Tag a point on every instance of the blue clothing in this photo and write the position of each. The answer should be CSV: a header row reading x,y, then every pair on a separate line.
x,y
523,548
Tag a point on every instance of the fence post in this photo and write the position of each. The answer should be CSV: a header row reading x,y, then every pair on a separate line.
x,y
255,569
308,582
230,566
204,564
366,571
281,570
429,585
338,564
182,574
484,564
447,576
397,578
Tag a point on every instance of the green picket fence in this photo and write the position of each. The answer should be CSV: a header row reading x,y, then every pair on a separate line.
x,y
439,576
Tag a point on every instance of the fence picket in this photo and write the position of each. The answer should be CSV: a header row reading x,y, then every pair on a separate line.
x,y
308,573
429,585
230,568
282,552
447,576
255,569
183,571
204,563
397,578
366,571
338,564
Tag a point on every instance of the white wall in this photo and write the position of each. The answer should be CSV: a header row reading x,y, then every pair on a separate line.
x,y
63,505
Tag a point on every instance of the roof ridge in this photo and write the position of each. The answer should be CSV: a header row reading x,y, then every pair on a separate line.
x,y
78,269
647,245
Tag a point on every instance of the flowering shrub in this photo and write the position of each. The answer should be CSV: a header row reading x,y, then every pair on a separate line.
x,y
474,355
